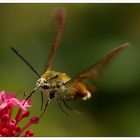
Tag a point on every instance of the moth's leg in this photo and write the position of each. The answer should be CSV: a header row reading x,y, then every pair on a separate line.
x,y
46,105
67,106
41,101
59,104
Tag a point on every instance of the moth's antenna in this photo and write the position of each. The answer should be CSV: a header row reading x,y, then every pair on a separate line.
x,y
59,26
25,61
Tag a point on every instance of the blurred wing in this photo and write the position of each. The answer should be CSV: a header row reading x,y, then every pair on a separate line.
x,y
93,72
59,26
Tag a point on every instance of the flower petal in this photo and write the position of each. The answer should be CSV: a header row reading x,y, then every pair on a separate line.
x,y
2,96
2,106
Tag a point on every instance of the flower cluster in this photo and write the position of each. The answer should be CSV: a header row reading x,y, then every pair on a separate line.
x,y
9,125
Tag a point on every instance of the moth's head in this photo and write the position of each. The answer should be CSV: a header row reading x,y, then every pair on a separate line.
x,y
42,83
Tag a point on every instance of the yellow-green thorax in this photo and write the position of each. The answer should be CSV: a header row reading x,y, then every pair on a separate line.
x,y
55,77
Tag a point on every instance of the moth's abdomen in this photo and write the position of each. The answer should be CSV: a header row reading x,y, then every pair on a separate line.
x,y
81,91
78,91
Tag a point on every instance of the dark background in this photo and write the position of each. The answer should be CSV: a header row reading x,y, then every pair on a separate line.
x,y
91,30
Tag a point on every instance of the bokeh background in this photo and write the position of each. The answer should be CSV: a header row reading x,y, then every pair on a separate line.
x,y
91,30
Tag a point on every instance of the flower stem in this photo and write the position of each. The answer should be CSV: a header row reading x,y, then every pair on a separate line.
x,y
18,114
10,112
22,129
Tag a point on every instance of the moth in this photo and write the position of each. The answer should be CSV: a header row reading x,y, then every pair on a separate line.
x,y
58,85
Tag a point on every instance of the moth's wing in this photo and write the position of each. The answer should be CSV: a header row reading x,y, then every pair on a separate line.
x,y
93,72
58,29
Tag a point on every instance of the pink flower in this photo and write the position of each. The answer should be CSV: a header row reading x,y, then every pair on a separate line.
x,y
8,125
6,100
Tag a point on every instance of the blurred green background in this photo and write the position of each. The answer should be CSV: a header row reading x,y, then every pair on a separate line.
x,y
91,30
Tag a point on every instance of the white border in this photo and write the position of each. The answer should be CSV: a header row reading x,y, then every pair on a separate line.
x,y
69,1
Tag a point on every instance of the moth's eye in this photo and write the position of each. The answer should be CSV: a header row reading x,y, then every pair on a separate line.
x,y
46,86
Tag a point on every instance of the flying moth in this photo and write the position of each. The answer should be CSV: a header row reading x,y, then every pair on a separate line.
x,y
58,85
